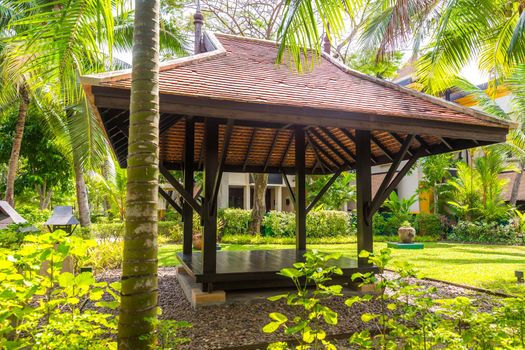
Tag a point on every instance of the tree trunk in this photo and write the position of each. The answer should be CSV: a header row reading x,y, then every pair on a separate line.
x,y
516,186
436,198
259,207
82,195
17,144
138,306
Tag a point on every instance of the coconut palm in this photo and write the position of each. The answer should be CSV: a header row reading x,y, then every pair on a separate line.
x,y
445,34
138,306
57,60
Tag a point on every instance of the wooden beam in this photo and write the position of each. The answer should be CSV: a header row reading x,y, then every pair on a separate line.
x,y
318,159
392,170
170,200
107,97
300,186
424,144
286,150
209,234
404,170
327,155
364,194
338,142
179,188
323,191
446,143
400,140
187,216
327,144
220,168
248,151
382,147
288,184
353,139
272,147
166,122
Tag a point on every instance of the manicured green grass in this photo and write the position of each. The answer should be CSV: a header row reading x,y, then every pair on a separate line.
x,y
486,266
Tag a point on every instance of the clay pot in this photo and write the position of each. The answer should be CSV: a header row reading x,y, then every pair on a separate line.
x,y
406,234
197,241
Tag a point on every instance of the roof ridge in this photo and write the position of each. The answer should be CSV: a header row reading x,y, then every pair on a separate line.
x,y
246,38
98,78
432,99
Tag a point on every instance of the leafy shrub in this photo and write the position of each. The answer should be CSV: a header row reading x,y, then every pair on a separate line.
x,y
236,221
483,232
429,225
279,224
386,224
44,309
171,230
13,236
105,255
322,223
33,214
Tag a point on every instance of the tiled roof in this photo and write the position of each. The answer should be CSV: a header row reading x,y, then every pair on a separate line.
x,y
247,72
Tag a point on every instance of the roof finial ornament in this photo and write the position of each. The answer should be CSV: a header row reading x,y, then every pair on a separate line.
x,y
198,20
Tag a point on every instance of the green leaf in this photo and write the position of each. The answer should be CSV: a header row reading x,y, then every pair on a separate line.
x,y
65,279
278,297
276,316
391,307
330,316
291,273
352,301
298,327
368,317
271,327
85,279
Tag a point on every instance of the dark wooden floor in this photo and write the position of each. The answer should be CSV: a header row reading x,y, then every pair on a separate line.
x,y
256,268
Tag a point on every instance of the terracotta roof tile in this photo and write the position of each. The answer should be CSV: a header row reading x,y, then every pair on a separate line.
x,y
247,72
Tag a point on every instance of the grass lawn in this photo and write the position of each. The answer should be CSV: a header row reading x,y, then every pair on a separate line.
x,y
486,266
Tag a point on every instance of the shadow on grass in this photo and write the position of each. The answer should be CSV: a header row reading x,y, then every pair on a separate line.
x,y
490,252
460,261
504,286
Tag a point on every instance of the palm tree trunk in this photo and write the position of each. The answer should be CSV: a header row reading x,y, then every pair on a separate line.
x,y
138,307
259,207
516,186
82,194
17,145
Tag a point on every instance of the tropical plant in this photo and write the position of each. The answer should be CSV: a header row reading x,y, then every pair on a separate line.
x,y
42,307
436,169
308,327
477,189
400,207
340,192
138,308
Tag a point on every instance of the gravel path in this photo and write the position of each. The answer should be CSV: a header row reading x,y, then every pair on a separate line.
x,y
239,325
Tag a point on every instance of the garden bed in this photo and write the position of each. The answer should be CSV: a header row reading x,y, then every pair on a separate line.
x,y
237,325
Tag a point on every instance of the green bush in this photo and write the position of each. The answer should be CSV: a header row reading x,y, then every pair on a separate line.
x,y
323,223
236,221
106,255
33,214
482,232
429,225
13,236
386,224
171,230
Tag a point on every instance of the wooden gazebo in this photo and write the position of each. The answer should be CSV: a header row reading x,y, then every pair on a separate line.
x,y
231,108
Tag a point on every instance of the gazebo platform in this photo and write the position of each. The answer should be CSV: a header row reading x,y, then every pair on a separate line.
x,y
257,268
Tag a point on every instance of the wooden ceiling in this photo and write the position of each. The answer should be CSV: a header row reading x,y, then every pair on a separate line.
x,y
256,146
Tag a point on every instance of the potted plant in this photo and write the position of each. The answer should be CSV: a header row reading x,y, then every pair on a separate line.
x,y
406,232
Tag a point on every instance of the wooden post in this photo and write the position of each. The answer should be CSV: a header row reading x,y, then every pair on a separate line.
x,y
209,236
300,189
187,210
364,193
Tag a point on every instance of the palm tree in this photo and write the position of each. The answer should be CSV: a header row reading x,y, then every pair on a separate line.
x,y
138,308
492,32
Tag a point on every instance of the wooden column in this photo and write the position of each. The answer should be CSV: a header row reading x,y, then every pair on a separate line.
x,y
300,189
187,210
209,216
364,193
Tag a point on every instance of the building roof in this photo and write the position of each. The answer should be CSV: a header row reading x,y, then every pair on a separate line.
x,y
238,78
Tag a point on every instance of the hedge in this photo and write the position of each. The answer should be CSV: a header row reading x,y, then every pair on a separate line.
x,y
323,223
171,230
482,232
